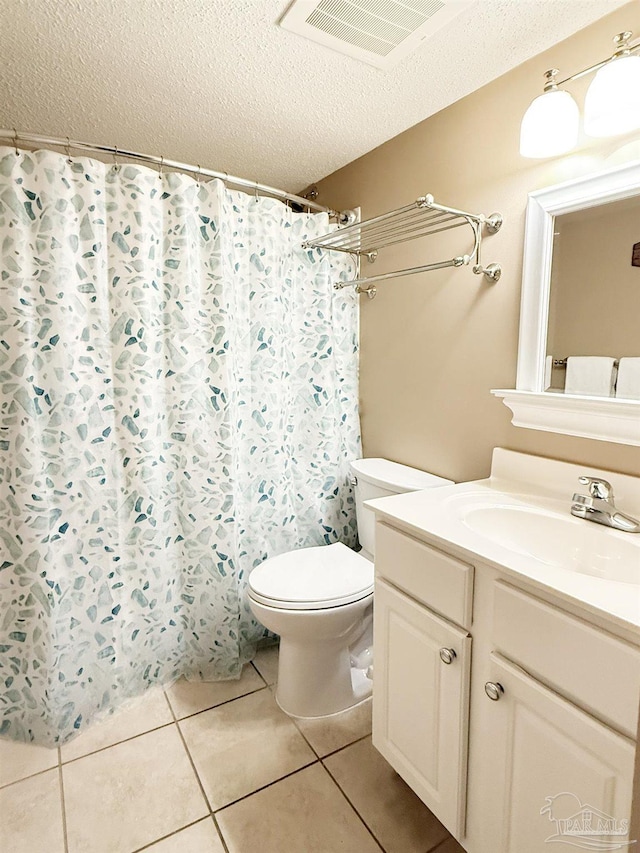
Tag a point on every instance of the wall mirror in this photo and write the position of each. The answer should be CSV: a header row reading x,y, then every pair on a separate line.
x,y
580,297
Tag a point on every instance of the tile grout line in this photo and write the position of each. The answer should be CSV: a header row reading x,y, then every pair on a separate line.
x,y
62,803
191,761
116,743
359,816
306,739
197,775
346,746
30,776
251,663
264,787
219,831
217,705
166,699
442,843
333,751
171,834
294,720
148,731
61,762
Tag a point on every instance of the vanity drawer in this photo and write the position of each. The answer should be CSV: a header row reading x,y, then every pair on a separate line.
x,y
441,582
587,665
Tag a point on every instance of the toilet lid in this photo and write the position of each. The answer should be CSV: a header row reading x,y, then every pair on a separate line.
x,y
312,578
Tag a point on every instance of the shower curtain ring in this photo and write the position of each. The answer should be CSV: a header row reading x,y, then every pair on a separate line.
x,y
198,175
115,158
161,165
15,141
257,199
68,150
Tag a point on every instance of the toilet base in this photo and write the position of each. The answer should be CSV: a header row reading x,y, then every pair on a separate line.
x,y
314,704
361,694
319,679
325,660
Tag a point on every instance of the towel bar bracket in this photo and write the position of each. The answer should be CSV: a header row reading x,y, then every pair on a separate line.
x,y
491,271
493,223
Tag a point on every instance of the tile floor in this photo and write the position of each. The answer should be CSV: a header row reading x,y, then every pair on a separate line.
x,y
213,768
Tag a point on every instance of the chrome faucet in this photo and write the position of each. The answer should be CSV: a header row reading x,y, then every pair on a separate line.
x,y
599,506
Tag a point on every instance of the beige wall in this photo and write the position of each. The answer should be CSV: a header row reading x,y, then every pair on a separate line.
x,y
595,291
433,345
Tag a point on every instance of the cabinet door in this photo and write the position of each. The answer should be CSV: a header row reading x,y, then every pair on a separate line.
x,y
551,772
420,702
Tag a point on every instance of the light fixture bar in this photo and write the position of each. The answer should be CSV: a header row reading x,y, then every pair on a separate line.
x,y
631,48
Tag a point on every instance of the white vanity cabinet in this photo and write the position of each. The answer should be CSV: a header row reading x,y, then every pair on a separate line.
x,y
422,700
548,768
422,670
519,744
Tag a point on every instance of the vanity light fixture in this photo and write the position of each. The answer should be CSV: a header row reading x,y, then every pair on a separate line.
x,y
550,125
612,104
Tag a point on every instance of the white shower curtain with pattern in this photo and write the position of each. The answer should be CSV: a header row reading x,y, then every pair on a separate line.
x,y
178,402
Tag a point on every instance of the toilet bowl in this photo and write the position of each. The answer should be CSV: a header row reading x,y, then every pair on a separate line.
x,y
316,599
320,601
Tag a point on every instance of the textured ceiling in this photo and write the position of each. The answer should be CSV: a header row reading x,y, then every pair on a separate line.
x,y
217,82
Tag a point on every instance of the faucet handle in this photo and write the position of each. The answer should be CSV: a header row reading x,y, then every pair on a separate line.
x,y
598,488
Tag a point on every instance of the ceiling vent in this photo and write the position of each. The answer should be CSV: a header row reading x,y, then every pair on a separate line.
x,y
379,32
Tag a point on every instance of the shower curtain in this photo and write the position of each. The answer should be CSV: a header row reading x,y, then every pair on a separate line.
x,y
178,402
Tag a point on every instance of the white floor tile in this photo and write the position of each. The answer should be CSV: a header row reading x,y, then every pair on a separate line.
x,y
243,745
31,815
135,717
304,813
398,819
131,794
266,662
19,760
326,734
190,697
202,837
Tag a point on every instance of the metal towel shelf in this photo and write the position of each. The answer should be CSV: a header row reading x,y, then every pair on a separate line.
x,y
420,219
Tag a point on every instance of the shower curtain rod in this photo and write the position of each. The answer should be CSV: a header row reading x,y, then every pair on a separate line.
x,y
67,144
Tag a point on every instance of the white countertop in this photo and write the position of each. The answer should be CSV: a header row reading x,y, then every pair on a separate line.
x,y
438,515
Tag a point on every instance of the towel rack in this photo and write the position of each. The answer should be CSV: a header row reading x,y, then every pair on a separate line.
x,y
562,362
421,218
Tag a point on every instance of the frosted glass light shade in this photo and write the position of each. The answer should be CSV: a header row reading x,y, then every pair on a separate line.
x,y
550,125
612,105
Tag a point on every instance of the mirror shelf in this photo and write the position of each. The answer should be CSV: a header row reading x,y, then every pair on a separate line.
x,y
603,418
587,417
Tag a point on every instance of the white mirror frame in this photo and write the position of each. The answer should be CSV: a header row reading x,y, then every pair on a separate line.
x,y
603,418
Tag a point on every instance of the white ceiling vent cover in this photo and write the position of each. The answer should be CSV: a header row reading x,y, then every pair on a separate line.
x,y
379,32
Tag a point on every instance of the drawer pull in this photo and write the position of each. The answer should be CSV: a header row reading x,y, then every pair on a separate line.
x,y
447,655
494,690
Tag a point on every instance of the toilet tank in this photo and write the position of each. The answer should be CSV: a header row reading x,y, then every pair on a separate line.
x,y
378,478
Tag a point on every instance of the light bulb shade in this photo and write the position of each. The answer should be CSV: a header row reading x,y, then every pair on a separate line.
x,y
612,105
550,125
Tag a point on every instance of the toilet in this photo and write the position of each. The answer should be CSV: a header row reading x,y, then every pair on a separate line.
x,y
320,601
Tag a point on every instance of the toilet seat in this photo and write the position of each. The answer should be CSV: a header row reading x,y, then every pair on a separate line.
x,y
312,578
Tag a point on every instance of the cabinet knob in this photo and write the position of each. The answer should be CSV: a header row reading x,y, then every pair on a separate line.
x,y
447,655
494,690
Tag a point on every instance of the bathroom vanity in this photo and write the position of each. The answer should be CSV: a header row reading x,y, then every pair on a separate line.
x,y
507,656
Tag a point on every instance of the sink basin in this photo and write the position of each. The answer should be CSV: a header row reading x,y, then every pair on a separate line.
x,y
566,542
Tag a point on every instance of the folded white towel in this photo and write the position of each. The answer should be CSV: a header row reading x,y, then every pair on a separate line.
x,y
589,375
629,379
548,368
